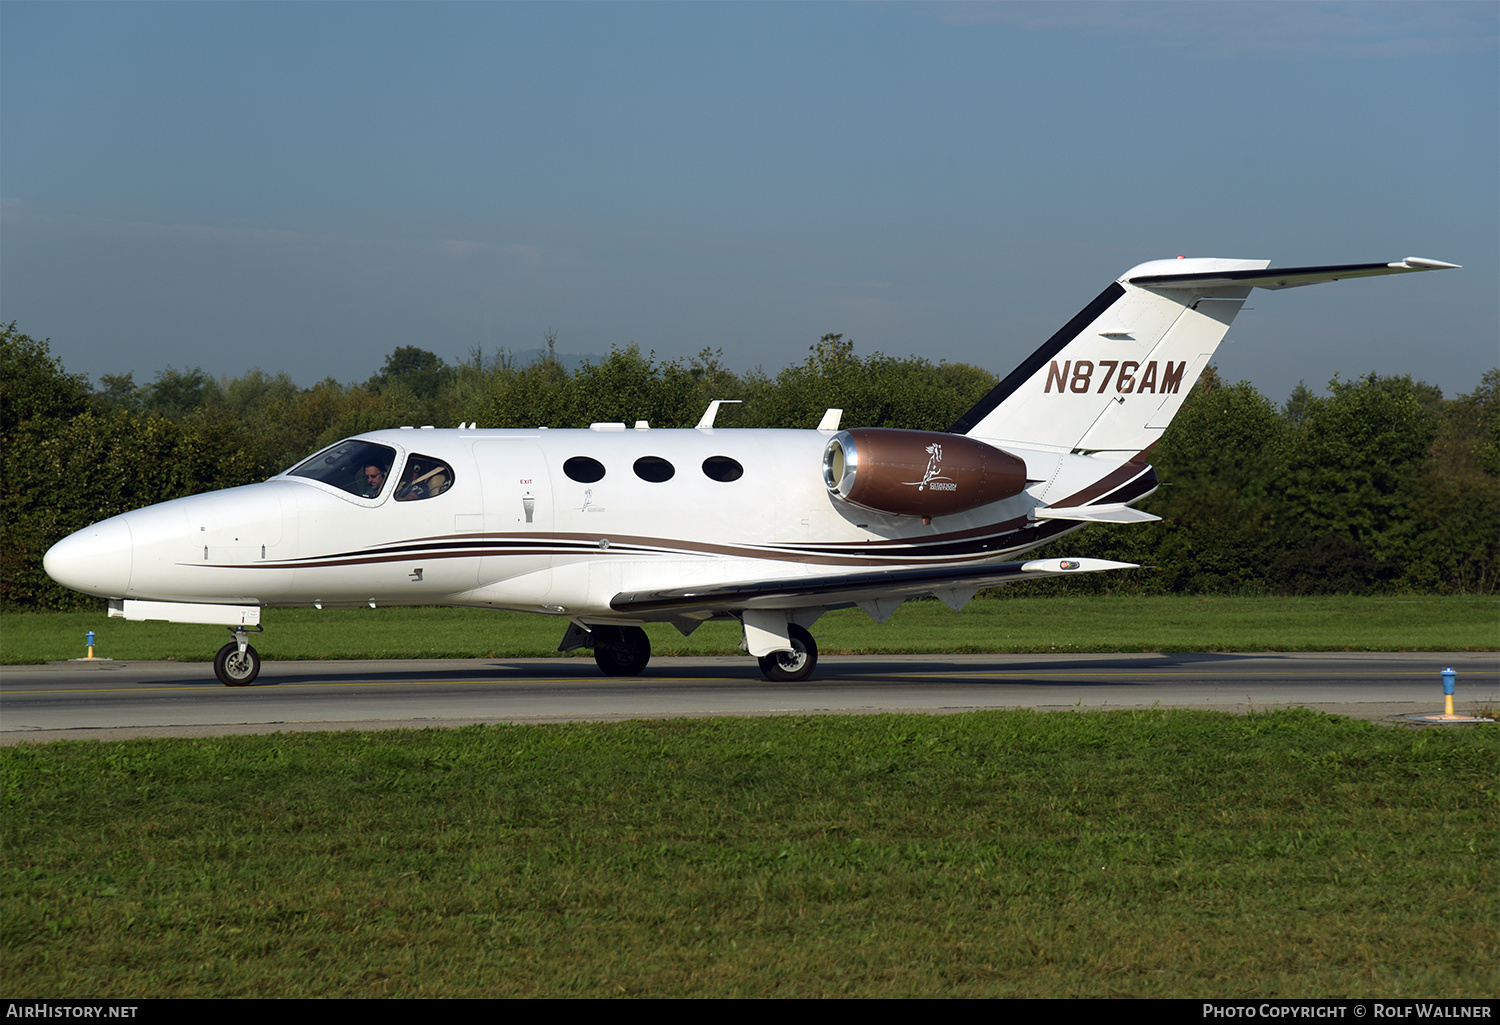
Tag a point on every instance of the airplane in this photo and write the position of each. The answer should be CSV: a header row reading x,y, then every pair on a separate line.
x,y
609,527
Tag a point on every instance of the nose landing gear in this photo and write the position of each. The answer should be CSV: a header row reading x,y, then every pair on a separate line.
x,y
237,664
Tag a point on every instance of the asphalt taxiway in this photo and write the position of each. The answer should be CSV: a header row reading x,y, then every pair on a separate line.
x,y
109,699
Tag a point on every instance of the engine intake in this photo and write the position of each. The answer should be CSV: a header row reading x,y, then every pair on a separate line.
x,y
918,473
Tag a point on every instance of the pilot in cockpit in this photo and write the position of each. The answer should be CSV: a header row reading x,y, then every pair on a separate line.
x,y
374,481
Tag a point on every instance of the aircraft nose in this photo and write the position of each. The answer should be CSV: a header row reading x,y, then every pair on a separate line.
x,y
96,560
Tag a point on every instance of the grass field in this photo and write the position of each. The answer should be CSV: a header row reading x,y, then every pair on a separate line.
x,y
1028,624
1152,853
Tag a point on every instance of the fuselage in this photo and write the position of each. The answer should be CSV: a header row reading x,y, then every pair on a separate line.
x,y
551,521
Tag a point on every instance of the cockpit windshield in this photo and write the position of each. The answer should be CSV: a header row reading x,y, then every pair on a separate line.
x,y
358,467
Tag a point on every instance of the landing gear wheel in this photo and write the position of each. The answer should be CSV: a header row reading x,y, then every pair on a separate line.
x,y
621,650
234,669
792,666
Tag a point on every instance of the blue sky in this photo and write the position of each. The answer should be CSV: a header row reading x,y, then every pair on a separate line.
x,y
304,187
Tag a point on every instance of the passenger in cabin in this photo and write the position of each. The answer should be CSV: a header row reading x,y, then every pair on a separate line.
x,y
423,478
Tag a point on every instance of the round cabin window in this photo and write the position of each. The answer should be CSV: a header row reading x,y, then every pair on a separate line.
x,y
654,469
584,469
722,468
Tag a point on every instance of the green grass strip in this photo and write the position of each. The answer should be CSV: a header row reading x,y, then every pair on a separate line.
x,y
1031,624
1150,853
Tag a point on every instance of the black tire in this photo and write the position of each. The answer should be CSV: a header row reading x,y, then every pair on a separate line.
x,y
621,650
234,671
792,666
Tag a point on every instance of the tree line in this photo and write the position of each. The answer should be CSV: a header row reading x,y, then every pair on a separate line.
x,y
1380,486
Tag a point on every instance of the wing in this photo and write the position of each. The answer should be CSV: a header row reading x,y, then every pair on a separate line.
x,y
842,589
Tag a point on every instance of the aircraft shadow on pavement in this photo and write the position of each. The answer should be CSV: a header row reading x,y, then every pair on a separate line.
x,y
833,670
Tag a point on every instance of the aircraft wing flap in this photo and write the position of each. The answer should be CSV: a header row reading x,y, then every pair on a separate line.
x,y
848,588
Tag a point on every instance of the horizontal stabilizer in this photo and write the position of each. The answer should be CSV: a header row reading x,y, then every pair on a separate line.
x,y
1281,277
1066,567
1095,514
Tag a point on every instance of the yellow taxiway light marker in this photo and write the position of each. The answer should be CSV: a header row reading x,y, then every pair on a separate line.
x,y
1447,716
90,657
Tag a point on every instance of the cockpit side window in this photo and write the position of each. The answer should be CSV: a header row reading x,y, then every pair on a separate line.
x,y
358,467
423,477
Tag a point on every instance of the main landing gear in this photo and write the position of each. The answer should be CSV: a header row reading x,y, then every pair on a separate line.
x,y
625,651
237,664
792,666
621,650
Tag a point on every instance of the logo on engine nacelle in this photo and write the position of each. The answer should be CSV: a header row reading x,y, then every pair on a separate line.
x,y
932,478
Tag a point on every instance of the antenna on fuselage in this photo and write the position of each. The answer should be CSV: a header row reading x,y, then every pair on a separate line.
x,y
713,411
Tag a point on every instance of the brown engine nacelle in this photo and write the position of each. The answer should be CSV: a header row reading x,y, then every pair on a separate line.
x,y
918,473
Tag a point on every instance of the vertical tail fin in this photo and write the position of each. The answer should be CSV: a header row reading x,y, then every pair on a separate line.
x,y
1112,379
1116,374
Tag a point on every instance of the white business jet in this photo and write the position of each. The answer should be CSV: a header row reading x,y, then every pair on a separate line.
x,y
613,526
